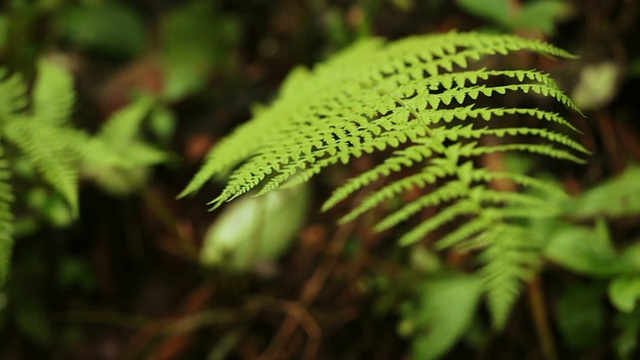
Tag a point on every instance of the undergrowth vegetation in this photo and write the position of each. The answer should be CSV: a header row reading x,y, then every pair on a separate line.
x,y
37,130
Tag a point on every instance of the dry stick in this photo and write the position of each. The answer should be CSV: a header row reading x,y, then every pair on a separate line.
x,y
309,293
154,329
541,319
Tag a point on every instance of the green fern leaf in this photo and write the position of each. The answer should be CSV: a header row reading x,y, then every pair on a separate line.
x,y
47,148
42,134
404,93
53,95
510,257
342,110
13,95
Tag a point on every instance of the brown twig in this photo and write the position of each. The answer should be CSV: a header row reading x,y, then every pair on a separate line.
x,y
307,296
541,318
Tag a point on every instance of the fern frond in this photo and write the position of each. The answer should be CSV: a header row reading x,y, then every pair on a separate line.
x,y
6,218
350,101
47,148
510,257
41,132
416,102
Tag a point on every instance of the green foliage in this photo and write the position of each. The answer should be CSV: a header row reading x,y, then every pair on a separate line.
x,y
511,255
442,315
90,27
613,198
419,98
584,250
255,230
581,316
193,48
537,14
626,343
589,251
38,126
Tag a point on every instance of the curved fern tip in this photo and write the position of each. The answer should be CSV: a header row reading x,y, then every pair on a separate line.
x,y
184,193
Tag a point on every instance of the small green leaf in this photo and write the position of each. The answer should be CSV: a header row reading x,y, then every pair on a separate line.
x,y
444,313
624,293
162,124
255,230
540,15
630,257
493,10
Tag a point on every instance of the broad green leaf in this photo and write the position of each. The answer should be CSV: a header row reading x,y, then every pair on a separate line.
x,y
445,311
494,10
630,257
624,293
580,314
540,15
254,230
617,197
583,250
106,27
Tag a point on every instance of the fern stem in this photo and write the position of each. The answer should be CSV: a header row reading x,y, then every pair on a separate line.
x,y
541,318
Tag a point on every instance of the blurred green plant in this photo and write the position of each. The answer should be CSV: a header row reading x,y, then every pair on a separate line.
x,y
532,15
39,138
196,39
108,28
589,251
255,230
